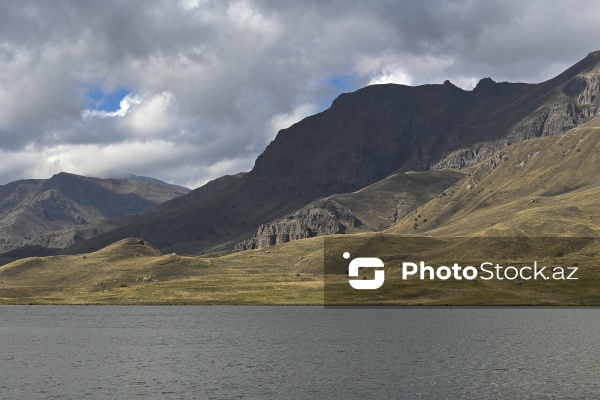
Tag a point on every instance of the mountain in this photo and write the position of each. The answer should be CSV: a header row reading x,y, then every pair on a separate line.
x,y
544,187
57,212
372,209
366,136
154,181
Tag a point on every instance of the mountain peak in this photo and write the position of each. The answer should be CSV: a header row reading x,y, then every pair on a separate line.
x,y
486,86
448,84
62,175
594,54
63,180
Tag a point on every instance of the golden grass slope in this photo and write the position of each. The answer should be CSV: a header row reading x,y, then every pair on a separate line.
x,y
378,206
546,186
287,274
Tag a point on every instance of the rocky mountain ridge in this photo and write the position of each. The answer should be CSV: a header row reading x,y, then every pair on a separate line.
x,y
362,138
61,210
546,186
576,101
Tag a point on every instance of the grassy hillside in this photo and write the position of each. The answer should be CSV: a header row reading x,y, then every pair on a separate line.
x,y
379,204
546,186
115,275
289,274
371,209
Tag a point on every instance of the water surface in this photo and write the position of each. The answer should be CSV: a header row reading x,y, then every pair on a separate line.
x,y
97,352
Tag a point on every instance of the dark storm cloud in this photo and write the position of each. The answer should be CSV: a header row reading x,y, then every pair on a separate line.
x,y
212,81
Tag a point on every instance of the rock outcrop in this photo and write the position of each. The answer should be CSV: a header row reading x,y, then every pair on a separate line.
x,y
580,101
323,217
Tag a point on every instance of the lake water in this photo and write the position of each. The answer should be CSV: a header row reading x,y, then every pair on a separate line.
x,y
92,352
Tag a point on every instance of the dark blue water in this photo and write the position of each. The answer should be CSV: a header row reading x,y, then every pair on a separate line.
x,y
49,352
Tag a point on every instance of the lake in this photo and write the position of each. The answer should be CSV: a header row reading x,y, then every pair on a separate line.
x,y
172,352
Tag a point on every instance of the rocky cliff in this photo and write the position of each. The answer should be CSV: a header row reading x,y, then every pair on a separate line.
x,y
574,100
323,217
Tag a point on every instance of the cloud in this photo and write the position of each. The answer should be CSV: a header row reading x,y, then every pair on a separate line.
x,y
152,116
285,120
124,106
102,160
391,75
210,83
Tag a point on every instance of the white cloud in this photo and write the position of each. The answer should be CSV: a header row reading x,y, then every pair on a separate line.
x,y
191,4
409,69
245,17
465,82
32,88
215,81
95,160
152,116
285,120
391,75
124,106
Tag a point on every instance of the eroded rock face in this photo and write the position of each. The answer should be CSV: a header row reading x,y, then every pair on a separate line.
x,y
323,217
582,103
469,156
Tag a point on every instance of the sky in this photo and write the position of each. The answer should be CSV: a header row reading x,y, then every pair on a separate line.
x,y
190,90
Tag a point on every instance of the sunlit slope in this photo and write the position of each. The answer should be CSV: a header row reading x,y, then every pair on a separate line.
x,y
541,187
378,204
132,271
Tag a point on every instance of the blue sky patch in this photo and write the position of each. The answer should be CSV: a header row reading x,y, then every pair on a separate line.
x,y
343,83
102,101
337,85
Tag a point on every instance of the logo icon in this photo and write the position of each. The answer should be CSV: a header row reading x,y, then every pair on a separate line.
x,y
365,262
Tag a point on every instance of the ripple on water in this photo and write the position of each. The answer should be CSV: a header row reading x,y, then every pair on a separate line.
x,y
297,352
